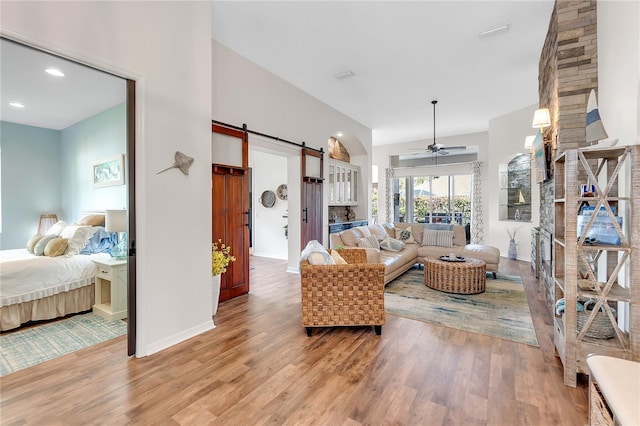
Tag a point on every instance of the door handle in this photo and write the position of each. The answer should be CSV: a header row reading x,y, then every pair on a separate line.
x,y
247,213
306,215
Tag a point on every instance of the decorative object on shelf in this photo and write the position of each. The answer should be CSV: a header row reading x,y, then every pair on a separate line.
x,y
116,221
281,191
47,220
595,129
182,162
108,172
337,151
513,249
220,258
516,215
351,215
268,199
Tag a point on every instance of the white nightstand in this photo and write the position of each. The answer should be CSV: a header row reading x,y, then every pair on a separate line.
x,y
111,289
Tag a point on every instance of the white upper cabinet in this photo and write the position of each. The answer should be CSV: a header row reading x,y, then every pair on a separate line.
x,y
343,183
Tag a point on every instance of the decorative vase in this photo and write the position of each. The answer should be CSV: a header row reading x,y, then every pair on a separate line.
x,y
215,289
513,251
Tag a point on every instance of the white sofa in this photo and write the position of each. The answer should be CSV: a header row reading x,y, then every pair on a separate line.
x,y
396,263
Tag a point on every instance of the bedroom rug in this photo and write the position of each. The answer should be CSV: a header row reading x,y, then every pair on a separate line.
x,y
25,348
501,311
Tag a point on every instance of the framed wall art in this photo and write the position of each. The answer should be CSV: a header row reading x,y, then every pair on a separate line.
x,y
108,171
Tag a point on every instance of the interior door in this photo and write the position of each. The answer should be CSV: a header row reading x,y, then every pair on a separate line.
x,y
230,215
311,197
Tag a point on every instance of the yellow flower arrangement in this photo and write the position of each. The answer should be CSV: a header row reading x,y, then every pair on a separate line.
x,y
220,257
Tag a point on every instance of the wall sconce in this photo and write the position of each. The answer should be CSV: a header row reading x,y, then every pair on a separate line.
x,y
528,142
541,119
46,221
116,221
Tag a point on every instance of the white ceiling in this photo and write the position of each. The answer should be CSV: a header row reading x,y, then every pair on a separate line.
x,y
403,54
52,102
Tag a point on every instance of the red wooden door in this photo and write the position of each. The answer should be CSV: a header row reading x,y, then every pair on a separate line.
x,y
230,206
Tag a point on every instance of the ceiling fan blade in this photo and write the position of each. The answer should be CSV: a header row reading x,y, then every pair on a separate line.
x,y
457,147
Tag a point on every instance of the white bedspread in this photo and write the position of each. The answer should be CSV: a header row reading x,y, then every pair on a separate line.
x,y
25,277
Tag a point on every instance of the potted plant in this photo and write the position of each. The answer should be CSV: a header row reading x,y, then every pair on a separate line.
x,y
220,258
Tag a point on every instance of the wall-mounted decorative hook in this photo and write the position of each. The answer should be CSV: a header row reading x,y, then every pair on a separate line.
x,y
183,162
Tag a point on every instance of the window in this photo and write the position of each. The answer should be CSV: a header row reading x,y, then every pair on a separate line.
x,y
432,199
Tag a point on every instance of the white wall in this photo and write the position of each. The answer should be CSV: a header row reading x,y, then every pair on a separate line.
x,y
269,171
619,69
166,48
506,139
246,93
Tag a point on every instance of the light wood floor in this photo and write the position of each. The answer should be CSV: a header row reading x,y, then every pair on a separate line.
x,y
259,367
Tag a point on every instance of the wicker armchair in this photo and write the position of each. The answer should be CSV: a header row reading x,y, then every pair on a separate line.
x,y
343,295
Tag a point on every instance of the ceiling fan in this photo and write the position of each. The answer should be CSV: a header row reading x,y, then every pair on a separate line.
x,y
438,148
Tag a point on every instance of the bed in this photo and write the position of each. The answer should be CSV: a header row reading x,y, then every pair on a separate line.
x,y
39,287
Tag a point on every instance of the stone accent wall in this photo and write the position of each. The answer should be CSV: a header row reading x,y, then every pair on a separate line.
x,y
568,70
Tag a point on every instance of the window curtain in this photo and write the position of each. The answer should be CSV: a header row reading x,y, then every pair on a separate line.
x,y
477,225
388,187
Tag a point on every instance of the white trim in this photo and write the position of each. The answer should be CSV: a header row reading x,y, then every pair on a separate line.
x,y
177,338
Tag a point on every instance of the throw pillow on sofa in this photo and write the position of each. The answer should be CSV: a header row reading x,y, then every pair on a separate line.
x,y
405,235
378,231
316,254
368,242
391,244
437,238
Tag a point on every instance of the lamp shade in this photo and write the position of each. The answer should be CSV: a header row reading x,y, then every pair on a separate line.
x,y
115,221
46,222
541,118
528,141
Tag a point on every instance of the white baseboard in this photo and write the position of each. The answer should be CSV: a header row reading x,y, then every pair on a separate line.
x,y
177,338
269,255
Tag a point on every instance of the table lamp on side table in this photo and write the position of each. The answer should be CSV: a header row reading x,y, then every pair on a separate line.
x,y
116,221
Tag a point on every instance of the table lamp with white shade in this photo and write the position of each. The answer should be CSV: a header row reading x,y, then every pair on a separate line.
x,y
116,221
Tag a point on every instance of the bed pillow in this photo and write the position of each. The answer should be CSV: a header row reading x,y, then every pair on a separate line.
x,y
38,250
56,247
92,220
368,242
78,236
57,228
437,238
31,244
405,235
391,244
100,242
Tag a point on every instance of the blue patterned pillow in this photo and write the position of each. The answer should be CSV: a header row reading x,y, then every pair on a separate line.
x,y
439,226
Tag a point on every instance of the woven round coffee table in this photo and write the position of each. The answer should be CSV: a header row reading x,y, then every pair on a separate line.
x,y
467,277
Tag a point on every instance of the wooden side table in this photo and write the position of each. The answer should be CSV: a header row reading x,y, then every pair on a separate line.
x,y
468,277
111,289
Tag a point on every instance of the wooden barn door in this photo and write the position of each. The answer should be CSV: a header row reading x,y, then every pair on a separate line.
x,y
311,197
230,214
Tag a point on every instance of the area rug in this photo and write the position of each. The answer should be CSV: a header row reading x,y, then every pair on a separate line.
x,y
501,311
25,348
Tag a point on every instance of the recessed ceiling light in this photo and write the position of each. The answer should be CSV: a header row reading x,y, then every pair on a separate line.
x,y
495,30
343,75
16,104
54,71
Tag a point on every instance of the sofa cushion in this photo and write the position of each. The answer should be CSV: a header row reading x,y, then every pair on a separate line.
x,y
490,255
435,251
439,226
405,235
391,244
437,238
349,236
390,229
370,242
378,231
459,235
337,258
